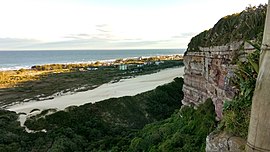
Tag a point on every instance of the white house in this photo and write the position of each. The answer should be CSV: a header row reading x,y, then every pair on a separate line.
x,y
123,67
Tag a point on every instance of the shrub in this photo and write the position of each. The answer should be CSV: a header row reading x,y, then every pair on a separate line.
x,y
237,112
185,130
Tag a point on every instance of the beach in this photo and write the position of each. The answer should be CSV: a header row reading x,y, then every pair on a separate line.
x,y
125,87
15,60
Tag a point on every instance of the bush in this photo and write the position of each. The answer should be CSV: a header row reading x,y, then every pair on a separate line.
x,y
185,130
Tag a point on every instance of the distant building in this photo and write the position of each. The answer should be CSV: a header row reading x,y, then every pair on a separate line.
x,y
92,69
148,63
139,65
123,67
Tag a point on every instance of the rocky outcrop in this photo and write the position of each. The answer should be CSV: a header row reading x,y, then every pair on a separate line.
x,y
208,71
224,142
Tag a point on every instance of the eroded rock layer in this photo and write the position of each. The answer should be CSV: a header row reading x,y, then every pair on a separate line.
x,y
208,72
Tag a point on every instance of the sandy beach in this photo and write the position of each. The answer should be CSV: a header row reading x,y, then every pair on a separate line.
x,y
126,87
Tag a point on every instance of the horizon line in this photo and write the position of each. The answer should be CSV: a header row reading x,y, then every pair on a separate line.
x,y
88,49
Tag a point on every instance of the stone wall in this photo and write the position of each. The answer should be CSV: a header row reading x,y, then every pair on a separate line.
x,y
208,71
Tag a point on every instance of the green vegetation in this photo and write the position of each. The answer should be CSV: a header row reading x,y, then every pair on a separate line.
x,y
9,131
116,124
185,130
237,112
132,112
103,126
33,84
247,25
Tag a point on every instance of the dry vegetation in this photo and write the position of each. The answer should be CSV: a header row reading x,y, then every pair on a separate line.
x,y
42,82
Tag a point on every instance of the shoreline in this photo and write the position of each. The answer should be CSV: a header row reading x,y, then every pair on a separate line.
x,y
106,61
50,81
125,87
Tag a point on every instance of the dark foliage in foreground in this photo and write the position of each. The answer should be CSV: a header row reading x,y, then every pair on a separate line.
x,y
185,130
106,125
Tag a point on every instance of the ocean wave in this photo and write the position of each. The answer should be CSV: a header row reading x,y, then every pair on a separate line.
x,y
14,68
17,67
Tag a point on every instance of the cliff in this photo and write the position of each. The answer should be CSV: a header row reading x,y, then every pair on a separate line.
x,y
208,73
212,56
213,59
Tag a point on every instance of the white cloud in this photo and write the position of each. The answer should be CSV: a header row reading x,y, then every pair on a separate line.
x,y
55,22
15,43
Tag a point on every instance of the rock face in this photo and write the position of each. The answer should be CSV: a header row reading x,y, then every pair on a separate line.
x,y
224,142
208,71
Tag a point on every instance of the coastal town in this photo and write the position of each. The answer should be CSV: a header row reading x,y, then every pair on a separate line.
x,y
121,64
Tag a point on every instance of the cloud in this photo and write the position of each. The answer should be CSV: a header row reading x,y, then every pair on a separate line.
x,y
139,43
102,25
78,36
87,41
132,39
102,30
99,43
97,36
83,34
15,43
188,34
184,35
75,43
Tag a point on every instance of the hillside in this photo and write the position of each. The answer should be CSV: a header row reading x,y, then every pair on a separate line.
x,y
103,126
120,124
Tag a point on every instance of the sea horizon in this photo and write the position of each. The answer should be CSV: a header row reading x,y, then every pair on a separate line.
x,y
18,59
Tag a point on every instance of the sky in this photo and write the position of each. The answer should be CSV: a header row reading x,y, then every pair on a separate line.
x,y
109,24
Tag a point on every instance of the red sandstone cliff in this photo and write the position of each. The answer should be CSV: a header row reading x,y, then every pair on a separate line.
x,y
208,72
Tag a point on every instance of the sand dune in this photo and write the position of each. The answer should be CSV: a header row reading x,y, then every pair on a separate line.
x,y
126,87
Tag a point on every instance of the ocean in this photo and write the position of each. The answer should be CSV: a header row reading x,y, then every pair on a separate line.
x,y
13,60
